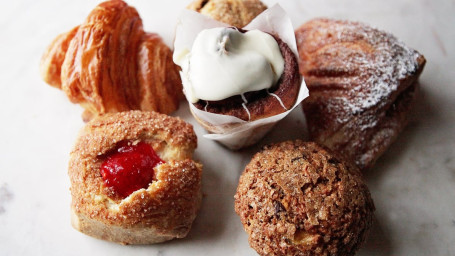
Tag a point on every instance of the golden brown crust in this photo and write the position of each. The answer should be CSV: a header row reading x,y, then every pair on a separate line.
x,y
53,57
362,84
264,103
165,209
297,198
156,67
108,62
237,13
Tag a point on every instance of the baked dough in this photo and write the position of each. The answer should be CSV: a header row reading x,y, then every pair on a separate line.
x,y
297,198
109,64
237,13
162,211
362,83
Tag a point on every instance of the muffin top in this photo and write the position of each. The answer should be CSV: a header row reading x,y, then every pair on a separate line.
x,y
234,12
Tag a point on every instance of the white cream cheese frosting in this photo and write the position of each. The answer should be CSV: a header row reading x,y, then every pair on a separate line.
x,y
224,62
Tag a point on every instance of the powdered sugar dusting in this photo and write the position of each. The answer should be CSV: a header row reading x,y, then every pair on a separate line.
x,y
376,64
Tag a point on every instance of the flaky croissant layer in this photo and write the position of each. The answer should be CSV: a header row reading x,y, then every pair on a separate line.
x,y
110,64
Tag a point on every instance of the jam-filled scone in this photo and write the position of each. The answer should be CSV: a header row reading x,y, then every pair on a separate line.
x,y
132,178
297,198
237,13
362,83
110,64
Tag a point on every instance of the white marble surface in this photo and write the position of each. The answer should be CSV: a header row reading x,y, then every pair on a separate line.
x,y
413,184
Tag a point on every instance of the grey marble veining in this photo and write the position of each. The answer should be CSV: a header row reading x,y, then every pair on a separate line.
x,y
413,183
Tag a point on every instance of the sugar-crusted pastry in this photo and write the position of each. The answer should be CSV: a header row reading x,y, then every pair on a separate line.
x,y
132,178
237,13
109,64
297,198
362,84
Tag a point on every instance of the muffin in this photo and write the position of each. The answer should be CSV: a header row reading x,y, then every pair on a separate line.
x,y
237,13
297,198
133,180
110,64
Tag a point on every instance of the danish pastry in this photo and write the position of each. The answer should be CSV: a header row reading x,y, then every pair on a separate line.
x,y
109,64
237,13
297,198
132,178
362,83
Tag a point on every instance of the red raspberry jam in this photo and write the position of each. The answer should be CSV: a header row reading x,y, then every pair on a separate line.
x,y
130,167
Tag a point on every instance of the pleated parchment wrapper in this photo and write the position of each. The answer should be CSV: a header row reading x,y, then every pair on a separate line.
x,y
231,131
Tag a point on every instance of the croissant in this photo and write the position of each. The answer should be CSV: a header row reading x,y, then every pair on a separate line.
x,y
109,64
362,83
237,13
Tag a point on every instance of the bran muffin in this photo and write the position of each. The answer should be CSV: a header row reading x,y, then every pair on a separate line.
x,y
296,198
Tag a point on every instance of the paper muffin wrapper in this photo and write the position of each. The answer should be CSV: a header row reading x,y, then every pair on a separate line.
x,y
231,131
